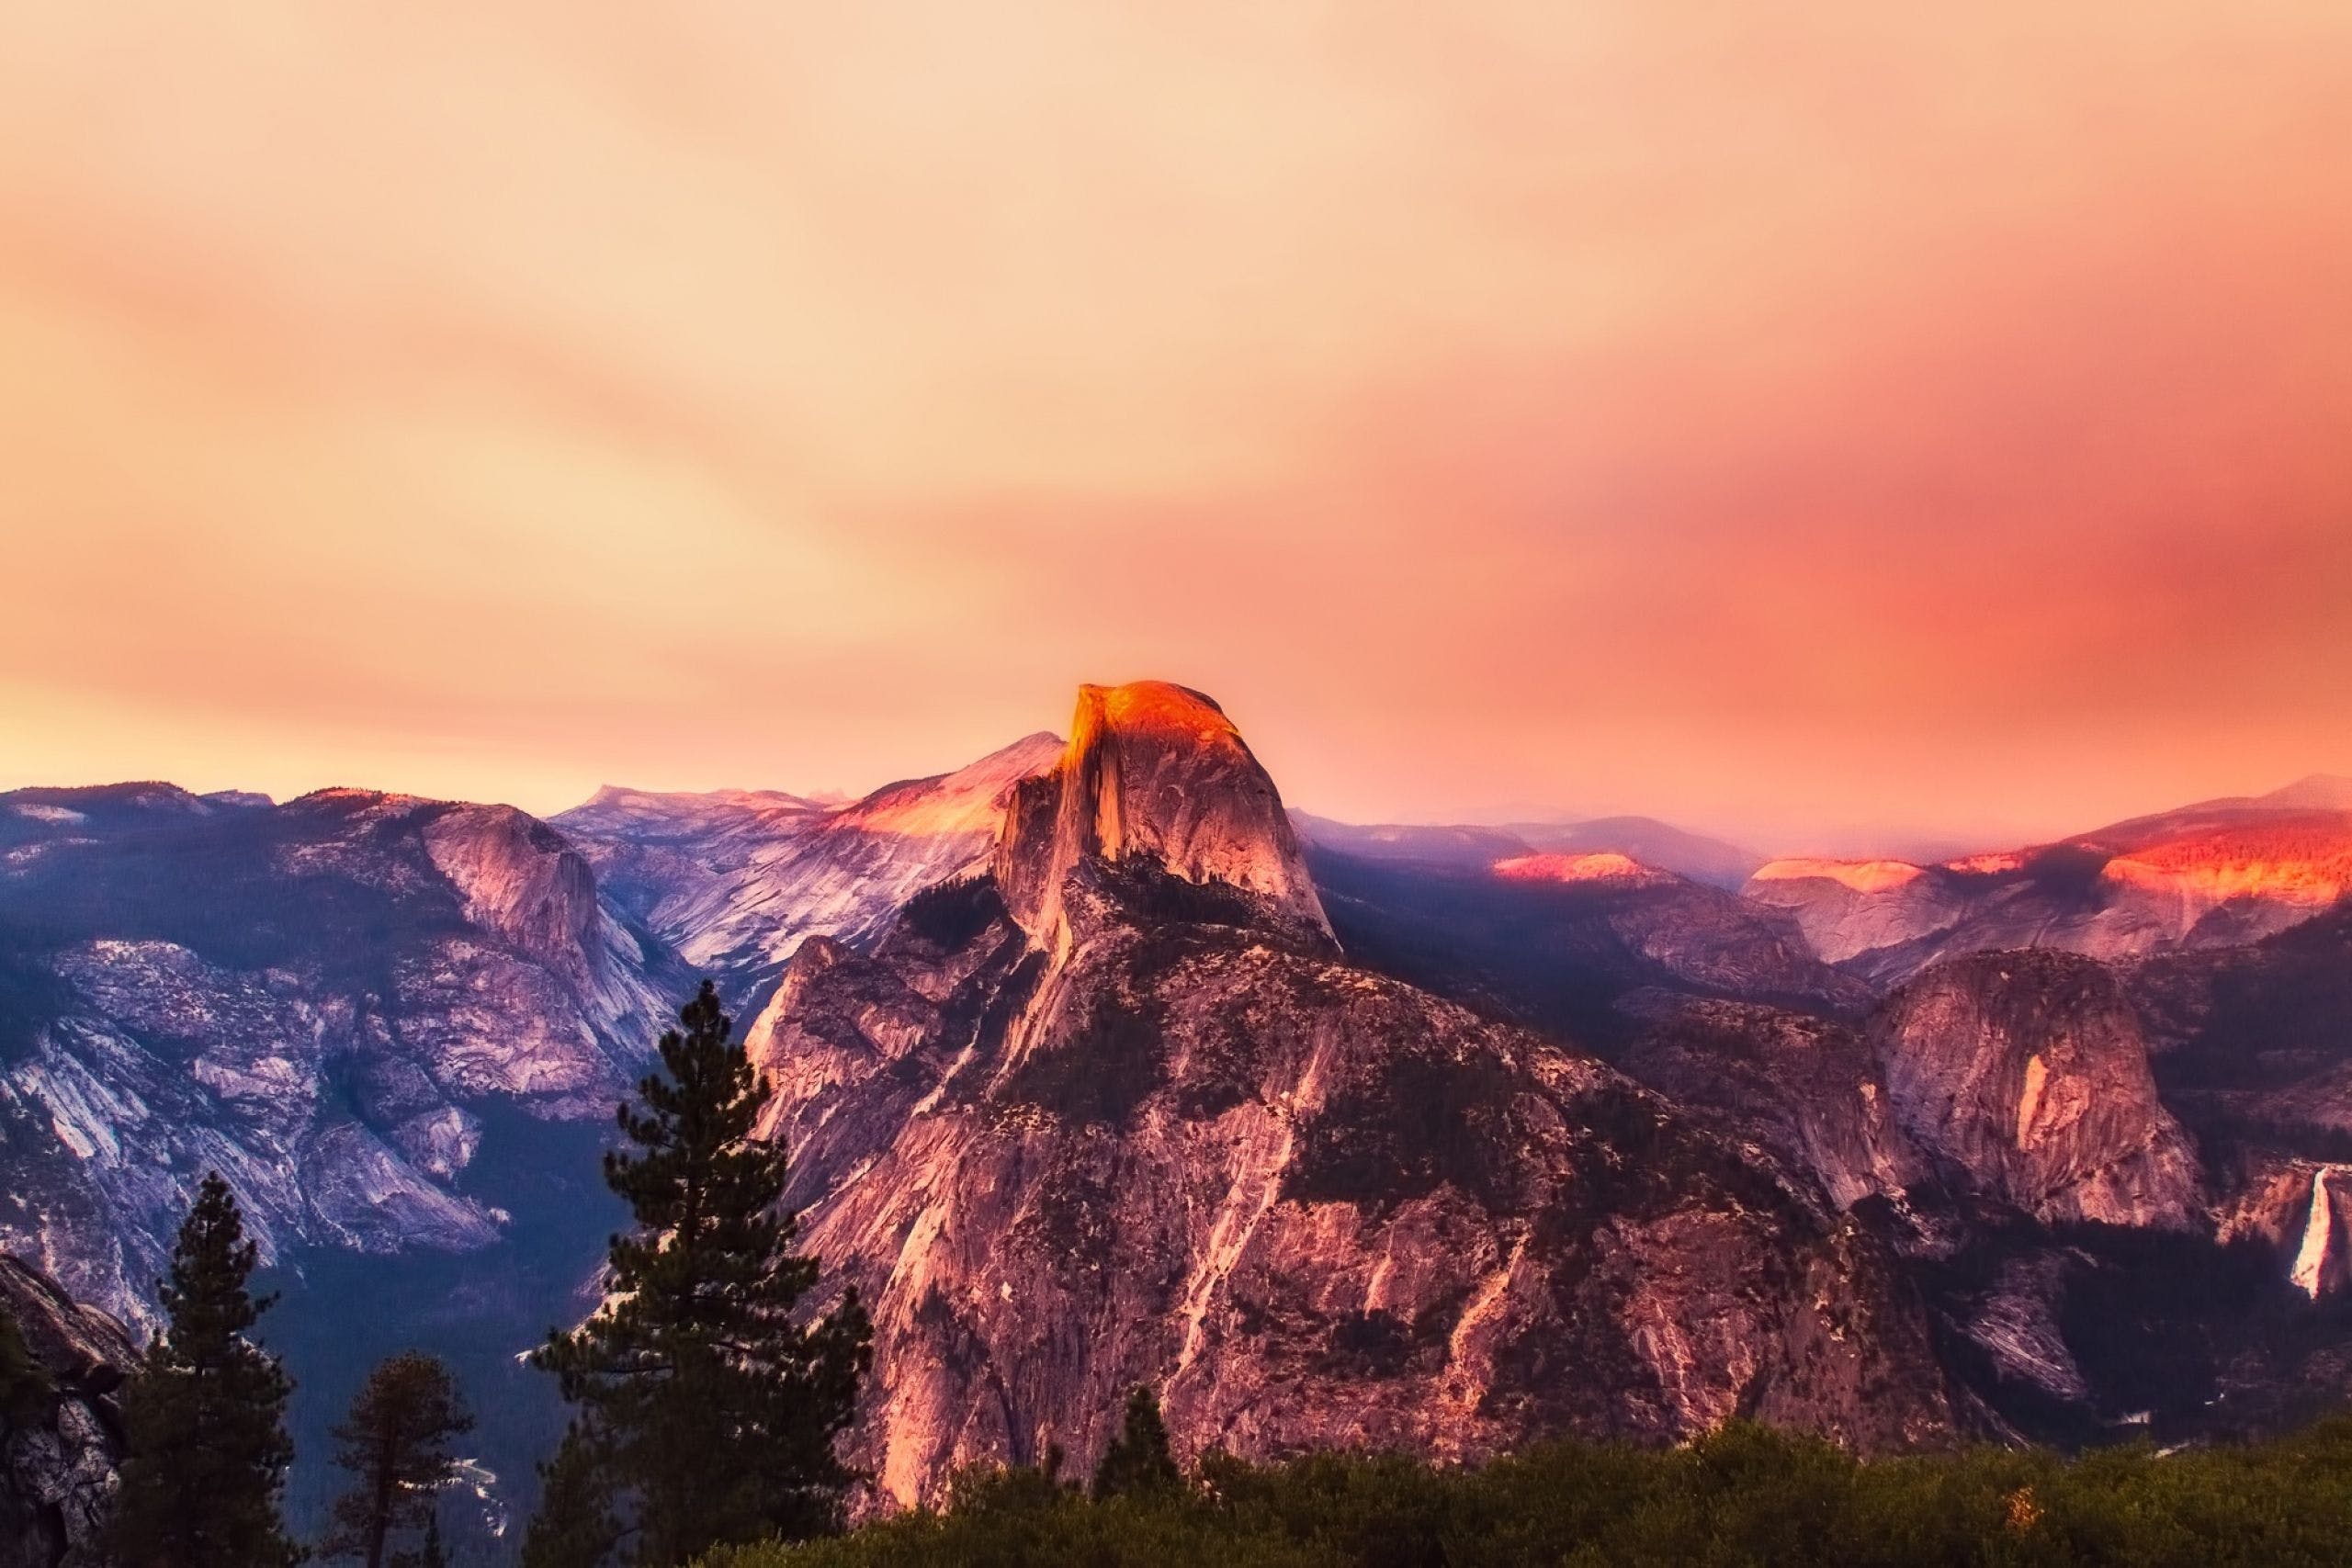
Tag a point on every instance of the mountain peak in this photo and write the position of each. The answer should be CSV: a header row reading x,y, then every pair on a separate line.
x,y
1152,706
1157,773
2316,792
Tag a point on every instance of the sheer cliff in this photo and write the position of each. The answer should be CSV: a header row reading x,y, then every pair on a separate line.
x,y
734,881
2219,875
61,1422
323,1000
1118,1110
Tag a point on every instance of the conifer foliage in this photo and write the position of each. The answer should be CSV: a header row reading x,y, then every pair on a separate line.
x,y
24,1386
396,1446
708,1411
430,1554
1138,1461
206,1450
575,1526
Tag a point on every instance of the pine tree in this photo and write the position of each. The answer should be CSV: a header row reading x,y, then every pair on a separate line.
x,y
1138,1461
708,1413
23,1384
396,1444
574,1527
204,1449
429,1554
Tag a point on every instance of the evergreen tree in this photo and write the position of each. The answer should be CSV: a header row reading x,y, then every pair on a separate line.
x,y
204,1449
24,1386
574,1527
1137,1461
707,1413
396,1443
428,1555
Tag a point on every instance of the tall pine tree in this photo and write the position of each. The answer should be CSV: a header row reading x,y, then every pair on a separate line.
x,y
430,1554
1138,1461
574,1527
396,1446
708,1411
205,1444
23,1384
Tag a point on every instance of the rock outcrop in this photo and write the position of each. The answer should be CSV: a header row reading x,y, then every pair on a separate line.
x,y
2027,1073
2219,875
737,880
1644,840
2303,1210
1806,1087
322,1000
1117,1112
1849,910
1154,773
1557,952
61,1423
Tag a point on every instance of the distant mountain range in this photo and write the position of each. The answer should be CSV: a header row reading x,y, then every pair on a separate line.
x,y
2219,874
734,881
1100,1066
1643,838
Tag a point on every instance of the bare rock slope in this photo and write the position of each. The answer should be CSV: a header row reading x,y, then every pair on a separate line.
x,y
322,1000
2221,874
1118,1110
2028,1071
736,880
60,1425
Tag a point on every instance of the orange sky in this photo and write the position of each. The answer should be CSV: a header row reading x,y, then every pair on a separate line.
x,y
1781,418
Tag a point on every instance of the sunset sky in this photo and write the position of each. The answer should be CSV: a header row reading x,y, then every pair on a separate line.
x,y
1799,421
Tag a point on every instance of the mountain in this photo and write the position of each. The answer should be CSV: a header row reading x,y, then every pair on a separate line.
x,y
1806,1087
1097,1066
2253,1048
2220,874
1557,942
2093,1261
2316,792
321,999
1643,838
734,881
61,1437
1693,855
1118,1110
2028,1073
1412,843
398,1026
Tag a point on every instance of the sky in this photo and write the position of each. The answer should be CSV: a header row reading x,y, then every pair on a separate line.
x,y
1810,422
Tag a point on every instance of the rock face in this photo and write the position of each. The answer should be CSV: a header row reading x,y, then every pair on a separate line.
x,y
737,880
2220,875
2255,1043
60,1436
2027,1073
2303,1210
1116,1112
1850,910
1155,773
1806,1087
322,1000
